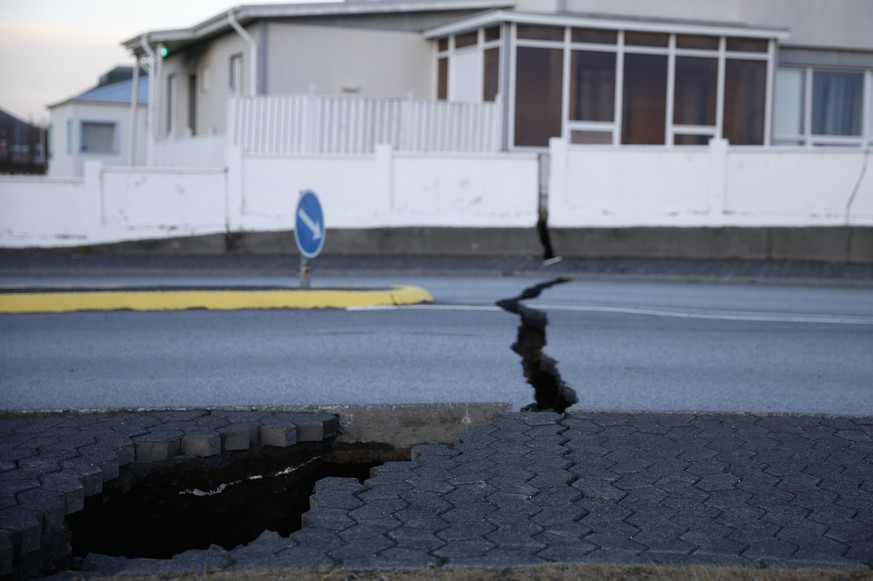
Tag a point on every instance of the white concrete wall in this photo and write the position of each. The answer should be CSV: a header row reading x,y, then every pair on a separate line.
x,y
590,187
709,186
111,205
388,190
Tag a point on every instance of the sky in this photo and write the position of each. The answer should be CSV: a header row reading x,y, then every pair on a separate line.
x,y
51,50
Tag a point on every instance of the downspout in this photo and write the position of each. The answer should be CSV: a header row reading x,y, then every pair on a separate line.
x,y
134,107
253,65
154,76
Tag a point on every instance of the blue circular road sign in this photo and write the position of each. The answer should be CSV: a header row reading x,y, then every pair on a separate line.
x,y
309,225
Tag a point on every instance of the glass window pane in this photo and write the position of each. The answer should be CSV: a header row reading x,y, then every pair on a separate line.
x,y
466,39
592,86
788,103
745,90
836,103
594,36
491,74
492,33
747,44
443,44
538,87
644,99
870,114
691,139
646,38
443,78
585,137
695,89
530,32
697,42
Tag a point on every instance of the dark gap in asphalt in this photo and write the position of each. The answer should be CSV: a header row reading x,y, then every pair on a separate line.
x,y
551,393
160,510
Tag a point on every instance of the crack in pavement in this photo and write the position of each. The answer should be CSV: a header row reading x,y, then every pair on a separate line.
x,y
551,392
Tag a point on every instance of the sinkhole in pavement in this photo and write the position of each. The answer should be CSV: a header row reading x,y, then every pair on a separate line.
x,y
551,393
158,511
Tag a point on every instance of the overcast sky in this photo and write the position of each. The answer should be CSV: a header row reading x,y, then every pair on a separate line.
x,y
51,50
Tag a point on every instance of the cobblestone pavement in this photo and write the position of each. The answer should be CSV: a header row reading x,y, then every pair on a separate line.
x,y
755,490
50,464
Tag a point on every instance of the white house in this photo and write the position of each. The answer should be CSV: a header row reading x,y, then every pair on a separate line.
x,y
98,125
614,72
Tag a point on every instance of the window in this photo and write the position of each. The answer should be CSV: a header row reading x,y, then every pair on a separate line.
x,y
443,78
491,74
192,104
97,137
172,99
745,95
234,84
819,107
696,42
465,40
837,103
646,39
594,36
529,32
592,86
644,100
695,91
788,107
538,86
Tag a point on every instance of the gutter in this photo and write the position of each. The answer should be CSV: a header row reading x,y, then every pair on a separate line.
x,y
253,60
154,81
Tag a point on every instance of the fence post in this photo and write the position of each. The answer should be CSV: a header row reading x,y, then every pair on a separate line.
x,y
310,124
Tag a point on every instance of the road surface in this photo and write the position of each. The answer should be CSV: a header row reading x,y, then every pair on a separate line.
x,y
620,345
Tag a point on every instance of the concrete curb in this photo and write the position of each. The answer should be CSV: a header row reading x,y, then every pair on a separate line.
x,y
64,301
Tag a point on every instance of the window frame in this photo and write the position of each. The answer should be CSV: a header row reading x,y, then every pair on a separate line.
x,y
620,49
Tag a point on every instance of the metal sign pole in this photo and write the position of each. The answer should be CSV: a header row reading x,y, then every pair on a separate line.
x,y
304,272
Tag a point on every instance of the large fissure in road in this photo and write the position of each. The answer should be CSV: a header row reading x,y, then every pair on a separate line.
x,y
551,392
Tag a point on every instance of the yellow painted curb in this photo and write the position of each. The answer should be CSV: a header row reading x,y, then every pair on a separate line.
x,y
219,300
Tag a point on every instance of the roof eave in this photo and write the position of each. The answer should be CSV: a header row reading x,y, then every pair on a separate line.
x,y
606,22
246,14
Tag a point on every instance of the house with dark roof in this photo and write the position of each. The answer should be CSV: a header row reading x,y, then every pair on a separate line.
x,y
102,124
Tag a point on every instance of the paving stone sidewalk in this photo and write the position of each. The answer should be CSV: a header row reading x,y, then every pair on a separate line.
x,y
49,464
753,490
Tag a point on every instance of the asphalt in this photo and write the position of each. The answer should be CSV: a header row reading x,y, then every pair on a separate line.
x,y
713,489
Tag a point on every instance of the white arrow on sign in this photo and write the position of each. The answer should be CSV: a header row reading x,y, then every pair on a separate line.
x,y
310,223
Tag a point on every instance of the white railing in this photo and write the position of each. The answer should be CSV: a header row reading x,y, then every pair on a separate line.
x,y
318,125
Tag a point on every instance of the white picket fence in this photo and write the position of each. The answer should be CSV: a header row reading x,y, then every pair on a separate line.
x,y
326,125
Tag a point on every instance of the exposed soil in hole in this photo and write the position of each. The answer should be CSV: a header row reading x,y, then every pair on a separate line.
x,y
159,511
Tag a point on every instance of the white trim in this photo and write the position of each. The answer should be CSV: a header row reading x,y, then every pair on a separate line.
x,y
769,92
671,89
491,18
619,90
565,86
720,86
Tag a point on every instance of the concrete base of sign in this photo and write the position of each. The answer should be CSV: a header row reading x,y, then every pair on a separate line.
x,y
49,301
